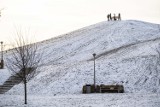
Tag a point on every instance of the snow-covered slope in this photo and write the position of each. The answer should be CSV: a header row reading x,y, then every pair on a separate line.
x,y
126,53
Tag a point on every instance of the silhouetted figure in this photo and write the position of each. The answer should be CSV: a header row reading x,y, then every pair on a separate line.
x,y
114,17
119,16
108,17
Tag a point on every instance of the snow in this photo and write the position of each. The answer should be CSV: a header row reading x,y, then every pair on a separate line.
x,y
125,54
83,100
4,74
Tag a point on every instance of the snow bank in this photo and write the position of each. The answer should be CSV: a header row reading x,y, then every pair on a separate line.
x,y
92,100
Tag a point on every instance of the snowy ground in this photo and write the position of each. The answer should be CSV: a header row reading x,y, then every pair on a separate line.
x,y
4,75
83,100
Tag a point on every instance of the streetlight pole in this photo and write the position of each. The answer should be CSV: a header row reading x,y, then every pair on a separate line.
x,y
2,64
94,55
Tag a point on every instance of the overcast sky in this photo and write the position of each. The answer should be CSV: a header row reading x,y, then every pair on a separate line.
x,y
49,18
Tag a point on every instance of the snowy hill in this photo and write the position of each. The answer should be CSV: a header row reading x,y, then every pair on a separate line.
x,y
126,54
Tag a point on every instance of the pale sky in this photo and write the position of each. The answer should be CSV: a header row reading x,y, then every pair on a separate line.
x,y
50,18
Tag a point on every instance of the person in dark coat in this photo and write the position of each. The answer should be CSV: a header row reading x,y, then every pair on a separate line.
x,y
108,17
114,17
119,16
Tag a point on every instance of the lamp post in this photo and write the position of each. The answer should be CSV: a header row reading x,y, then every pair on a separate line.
x,y
94,55
2,64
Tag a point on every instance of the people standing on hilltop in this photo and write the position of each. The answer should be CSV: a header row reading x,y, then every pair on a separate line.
x,y
109,17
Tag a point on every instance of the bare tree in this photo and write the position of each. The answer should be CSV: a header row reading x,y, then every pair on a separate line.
x,y
24,60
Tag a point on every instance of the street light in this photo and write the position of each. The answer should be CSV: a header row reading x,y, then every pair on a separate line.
x,y
2,64
94,55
